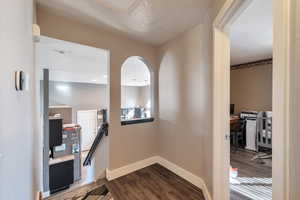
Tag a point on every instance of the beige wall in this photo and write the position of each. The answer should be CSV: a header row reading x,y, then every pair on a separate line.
x,y
185,101
294,147
17,163
127,144
251,88
185,98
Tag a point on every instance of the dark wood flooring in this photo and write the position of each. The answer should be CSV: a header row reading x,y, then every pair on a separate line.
x,y
153,183
158,183
241,159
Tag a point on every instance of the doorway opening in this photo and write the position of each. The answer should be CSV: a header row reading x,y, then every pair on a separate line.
x,y
222,25
251,38
73,81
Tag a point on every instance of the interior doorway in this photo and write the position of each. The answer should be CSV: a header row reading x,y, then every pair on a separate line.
x,y
88,121
73,80
251,41
229,13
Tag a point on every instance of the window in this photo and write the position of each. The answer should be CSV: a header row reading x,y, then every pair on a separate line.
x,y
136,91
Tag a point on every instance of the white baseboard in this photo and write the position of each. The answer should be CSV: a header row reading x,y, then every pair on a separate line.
x,y
188,176
122,171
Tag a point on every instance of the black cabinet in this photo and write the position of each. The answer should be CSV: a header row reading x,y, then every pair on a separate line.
x,y
55,132
61,175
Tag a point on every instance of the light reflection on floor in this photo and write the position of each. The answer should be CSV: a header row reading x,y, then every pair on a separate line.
x,y
254,188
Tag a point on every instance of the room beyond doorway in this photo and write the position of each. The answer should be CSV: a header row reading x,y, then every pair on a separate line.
x,y
221,75
251,103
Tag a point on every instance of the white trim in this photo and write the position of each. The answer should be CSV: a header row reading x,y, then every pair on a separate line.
x,y
122,171
221,95
221,77
188,176
221,119
281,94
230,12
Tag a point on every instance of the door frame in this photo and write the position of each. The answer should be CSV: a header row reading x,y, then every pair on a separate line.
x,y
280,99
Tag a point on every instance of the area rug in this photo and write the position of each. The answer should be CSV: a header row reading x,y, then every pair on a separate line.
x,y
99,193
253,188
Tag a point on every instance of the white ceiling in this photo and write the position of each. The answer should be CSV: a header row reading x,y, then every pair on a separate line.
x,y
151,21
71,62
252,34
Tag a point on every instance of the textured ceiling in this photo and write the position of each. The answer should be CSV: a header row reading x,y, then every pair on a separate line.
x,y
252,34
151,21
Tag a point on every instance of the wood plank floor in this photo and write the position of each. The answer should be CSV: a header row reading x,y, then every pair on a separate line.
x,y
241,159
153,183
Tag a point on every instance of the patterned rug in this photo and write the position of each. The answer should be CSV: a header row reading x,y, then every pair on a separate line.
x,y
99,193
253,188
